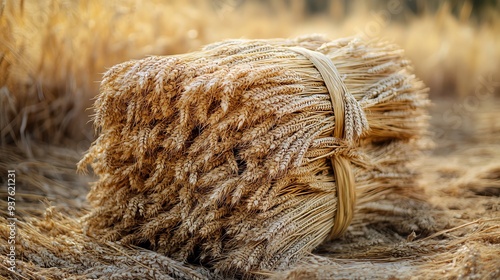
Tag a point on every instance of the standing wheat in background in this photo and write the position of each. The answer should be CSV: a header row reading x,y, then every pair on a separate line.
x,y
248,154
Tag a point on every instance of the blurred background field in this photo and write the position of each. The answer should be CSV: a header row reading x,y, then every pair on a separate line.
x,y
53,53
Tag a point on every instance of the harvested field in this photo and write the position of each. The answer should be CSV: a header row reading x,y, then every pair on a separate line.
x,y
53,53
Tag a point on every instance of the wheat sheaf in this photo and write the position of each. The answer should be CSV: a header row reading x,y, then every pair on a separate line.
x,y
248,154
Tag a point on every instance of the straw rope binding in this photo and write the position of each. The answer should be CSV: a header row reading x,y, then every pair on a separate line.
x,y
342,101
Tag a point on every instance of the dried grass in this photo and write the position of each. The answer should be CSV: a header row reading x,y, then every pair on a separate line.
x,y
470,256
55,247
239,154
47,175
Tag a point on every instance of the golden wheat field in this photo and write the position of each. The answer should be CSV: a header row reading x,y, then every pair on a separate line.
x,y
443,222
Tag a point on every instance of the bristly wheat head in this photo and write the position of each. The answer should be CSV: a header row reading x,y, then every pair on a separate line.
x,y
238,156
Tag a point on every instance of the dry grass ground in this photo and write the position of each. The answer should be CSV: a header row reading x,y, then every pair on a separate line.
x,y
52,54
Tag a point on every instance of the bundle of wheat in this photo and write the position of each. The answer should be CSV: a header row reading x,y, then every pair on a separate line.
x,y
248,154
